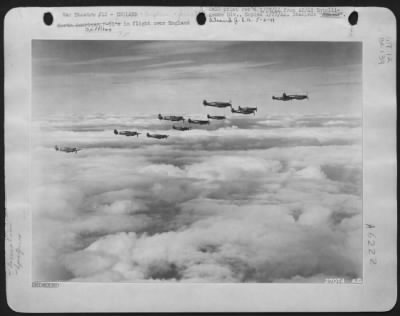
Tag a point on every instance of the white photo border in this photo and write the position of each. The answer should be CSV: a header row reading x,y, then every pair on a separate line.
x,y
378,290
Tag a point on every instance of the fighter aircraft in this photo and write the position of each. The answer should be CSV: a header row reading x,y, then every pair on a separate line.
x,y
247,108
243,111
67,149
217,104
181,128
171,118
200,122
127,133
290,97
158,136
216,117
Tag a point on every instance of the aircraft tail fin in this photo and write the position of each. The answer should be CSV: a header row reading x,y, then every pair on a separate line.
x,y
160,117
115,132
56,148
204,102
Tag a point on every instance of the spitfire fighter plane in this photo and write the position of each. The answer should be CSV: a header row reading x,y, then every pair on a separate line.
x,y
247,108
243,111
171,118
67,149
200,122
216,117
158,136
126,133
290,97
181,128
217,104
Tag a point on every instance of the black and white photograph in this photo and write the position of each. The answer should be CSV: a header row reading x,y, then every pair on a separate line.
x,y
246,163
196,161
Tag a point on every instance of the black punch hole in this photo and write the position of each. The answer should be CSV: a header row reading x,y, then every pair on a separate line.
x,y
48,18
353,18
201,18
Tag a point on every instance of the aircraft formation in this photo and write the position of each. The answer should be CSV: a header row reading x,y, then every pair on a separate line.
x,y
190,121
175,118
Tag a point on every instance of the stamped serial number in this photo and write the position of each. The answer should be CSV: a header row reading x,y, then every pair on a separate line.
x,y
371,240
334,281
45,284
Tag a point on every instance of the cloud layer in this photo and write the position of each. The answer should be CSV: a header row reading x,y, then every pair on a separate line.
x,y
270,199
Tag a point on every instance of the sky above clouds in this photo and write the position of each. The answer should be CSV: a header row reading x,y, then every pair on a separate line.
x,y
252,199
270,197
143,77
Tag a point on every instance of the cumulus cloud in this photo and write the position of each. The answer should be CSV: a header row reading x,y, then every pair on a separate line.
x,y
311,172
275,199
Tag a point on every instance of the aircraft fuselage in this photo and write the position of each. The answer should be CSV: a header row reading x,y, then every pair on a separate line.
x,y
290,97
67,149
217,104
157,136
216,117
181,128
127,133
246,109
171,118
200,122
243,111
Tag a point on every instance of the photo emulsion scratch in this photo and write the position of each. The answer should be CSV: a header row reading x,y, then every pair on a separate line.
x,y
196,161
